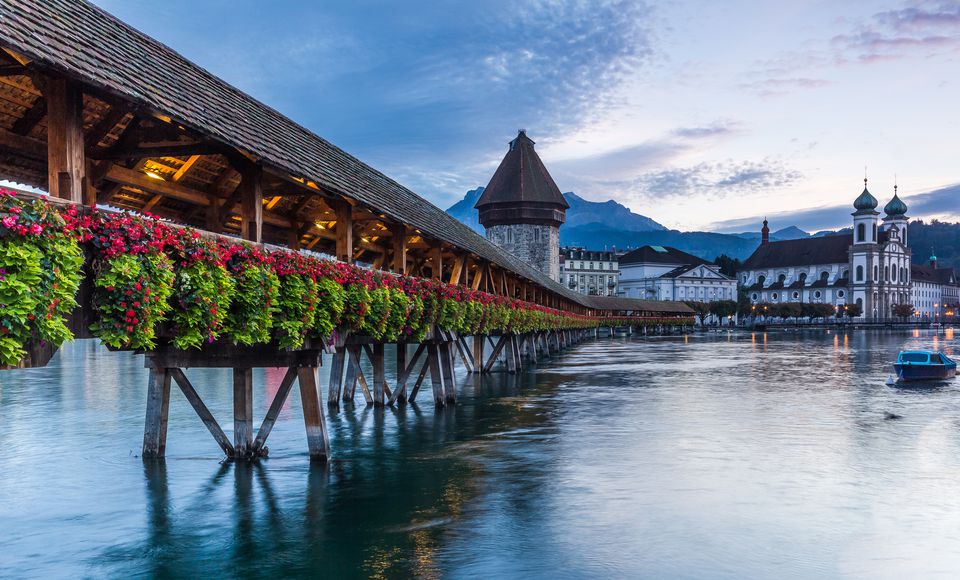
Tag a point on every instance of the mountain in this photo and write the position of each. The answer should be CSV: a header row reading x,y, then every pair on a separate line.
x,y
581,213
600,225
788,233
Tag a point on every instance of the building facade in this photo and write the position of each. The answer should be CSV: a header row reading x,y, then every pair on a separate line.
x,y
589,272
522,208
869,267
665,273
935,293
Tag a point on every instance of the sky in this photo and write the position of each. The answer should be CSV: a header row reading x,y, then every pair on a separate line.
x,y
702,115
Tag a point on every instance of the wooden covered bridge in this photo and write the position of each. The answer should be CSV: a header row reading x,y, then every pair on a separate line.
x,y
98,114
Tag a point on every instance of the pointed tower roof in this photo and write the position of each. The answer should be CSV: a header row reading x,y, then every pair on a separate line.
x,y
521,190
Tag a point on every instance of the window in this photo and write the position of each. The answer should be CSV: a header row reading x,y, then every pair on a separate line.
x,y
861,232
859,273
774,296
761,280
796,295
886,273
817,294
840,294
824,275
894,273
874,232
781,278
876,273
754,296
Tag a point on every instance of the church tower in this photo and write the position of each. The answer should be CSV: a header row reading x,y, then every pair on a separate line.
x,y
864,254
522,208
895,255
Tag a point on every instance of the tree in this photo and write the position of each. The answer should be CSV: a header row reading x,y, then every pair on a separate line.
x,y
728,265
853,310
903,310
723,308
744,308
701,309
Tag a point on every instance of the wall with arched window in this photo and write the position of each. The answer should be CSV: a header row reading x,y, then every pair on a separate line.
x,y
859,273
861,232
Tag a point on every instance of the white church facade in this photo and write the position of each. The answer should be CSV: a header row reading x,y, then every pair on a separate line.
x,y
869,267
665,273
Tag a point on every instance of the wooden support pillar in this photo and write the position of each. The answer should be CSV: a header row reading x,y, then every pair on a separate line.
x,y
270,419
436,373
251,202
336,377
293,236
379,374
66,165
318,440
511,354
344,230
449,372
158,410
399,394
243,412
350,382
399,243
436,261
478,344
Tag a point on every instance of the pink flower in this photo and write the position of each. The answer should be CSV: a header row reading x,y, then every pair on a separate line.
x,y
9,221
36,229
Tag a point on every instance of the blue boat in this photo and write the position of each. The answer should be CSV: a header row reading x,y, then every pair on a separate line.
x,y
924,365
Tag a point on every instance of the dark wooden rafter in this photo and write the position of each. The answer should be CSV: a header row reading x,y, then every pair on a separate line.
x,y
31,118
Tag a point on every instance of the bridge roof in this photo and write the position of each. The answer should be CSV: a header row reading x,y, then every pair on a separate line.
x,y
82,42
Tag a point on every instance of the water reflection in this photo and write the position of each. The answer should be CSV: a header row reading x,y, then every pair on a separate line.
x,y
720,455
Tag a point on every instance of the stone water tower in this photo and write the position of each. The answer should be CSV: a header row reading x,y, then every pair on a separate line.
x,y
522,208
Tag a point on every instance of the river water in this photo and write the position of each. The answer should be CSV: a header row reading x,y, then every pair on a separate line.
x,y
714,456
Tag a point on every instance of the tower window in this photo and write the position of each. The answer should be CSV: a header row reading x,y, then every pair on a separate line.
x,y
874,232
861,232
859,273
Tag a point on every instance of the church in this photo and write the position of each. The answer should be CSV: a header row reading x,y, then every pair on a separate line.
x,y
869,267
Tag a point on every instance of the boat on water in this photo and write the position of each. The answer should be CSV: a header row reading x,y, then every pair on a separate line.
x,y
924,365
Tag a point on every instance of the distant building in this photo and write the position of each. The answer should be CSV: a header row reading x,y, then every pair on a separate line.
x,y
934,293
664,273
869,267
522,208
590,272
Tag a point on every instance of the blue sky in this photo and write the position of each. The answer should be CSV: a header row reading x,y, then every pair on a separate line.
x,y
699,114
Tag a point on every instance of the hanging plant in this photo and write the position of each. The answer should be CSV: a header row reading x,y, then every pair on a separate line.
x,y
130,297
254,303
297,306
397,319
375,322
330,306
356,305
202,293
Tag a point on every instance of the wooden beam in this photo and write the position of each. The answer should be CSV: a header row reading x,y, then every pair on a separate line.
x,y
202,411
66,165
21,145
242,412
436,259
399,240
283,391
251,202
456,270
318,441
344,231
185,168
104,126
184,150
158,410
31,118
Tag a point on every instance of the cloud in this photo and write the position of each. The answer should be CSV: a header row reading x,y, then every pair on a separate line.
x,y
942,203
716,180
921,29
716,129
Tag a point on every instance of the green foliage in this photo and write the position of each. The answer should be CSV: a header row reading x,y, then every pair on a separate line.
x,y
448,314
202,295
417,323
375,322
20,263
903,310
131,294
397,318
297,307
250,318
700,309
356,304
723,308
330,306
728,266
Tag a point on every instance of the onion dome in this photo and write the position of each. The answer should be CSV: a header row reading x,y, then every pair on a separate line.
x,y
866,201
896,207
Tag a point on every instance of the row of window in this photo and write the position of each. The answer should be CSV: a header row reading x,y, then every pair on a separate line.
x,y
571,265
889,275
795,295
